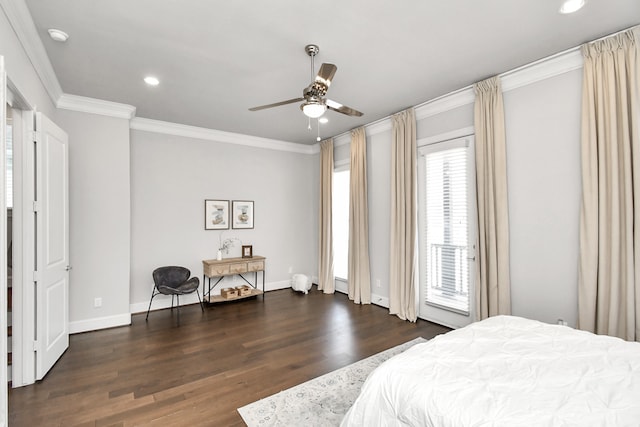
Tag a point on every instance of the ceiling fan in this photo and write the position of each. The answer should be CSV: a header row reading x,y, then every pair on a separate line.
x,y
315,104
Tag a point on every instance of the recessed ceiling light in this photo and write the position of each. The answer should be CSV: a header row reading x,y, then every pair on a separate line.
x,y
323,120
151,81
570,6
58,35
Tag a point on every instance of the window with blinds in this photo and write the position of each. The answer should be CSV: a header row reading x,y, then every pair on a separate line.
x,y
445,246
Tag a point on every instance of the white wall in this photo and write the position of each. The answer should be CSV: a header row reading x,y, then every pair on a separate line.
x,y
544,185
173,175
99,217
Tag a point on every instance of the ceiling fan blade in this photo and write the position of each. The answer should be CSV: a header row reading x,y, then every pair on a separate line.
x,y
277,104
336,106
326,73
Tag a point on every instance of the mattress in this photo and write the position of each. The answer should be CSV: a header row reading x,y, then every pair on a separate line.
x,y
505,371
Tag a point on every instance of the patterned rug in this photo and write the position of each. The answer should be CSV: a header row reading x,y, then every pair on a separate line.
x,y
322,401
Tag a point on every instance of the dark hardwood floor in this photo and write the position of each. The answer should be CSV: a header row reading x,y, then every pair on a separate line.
x,y
156,373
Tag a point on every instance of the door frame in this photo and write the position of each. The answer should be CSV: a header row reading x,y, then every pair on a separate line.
x,y
439,315
23,312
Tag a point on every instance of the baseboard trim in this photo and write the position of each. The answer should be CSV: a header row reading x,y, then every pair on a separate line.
x,y
99,323
380,300
161,302
341,286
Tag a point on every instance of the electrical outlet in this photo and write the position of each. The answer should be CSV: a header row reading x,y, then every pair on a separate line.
x,y
290,270
378,285
562,322
97,302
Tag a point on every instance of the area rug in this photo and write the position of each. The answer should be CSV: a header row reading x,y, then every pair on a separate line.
x,y
322,401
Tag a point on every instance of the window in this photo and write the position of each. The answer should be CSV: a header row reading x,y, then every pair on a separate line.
x,y
447,199
340,205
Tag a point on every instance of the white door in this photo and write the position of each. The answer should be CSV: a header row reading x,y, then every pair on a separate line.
x,y
447,231
52,244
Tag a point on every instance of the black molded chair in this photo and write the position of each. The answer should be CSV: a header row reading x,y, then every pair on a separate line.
x,y
174,281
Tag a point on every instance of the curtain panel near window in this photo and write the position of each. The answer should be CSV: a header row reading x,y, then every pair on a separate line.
x,y
609,274
493,289
326,279
359,273
402,270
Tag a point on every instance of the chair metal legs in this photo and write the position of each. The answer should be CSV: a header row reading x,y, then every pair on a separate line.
x,y
154,293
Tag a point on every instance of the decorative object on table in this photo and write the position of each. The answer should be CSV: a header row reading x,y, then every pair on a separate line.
x,y
174,281
225,244
247,251
242,214
216,214
300,283
243,290
228,293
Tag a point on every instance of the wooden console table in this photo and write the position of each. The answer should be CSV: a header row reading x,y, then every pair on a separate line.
x,y
228,267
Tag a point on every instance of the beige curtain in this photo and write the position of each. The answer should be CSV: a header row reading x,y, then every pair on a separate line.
x,y
493,294
359,274
609,275
326,281
402,284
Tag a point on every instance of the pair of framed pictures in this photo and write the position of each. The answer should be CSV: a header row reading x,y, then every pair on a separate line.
x,y
216,214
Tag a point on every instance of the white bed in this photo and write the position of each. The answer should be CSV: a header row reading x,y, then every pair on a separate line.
x,y
505,371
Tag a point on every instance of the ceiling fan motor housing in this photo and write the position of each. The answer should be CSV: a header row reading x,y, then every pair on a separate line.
x,y
315,90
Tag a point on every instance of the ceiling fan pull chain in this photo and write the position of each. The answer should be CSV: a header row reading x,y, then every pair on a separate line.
x,y
309,125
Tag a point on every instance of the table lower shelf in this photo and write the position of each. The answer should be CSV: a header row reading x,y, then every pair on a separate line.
x,y
219,298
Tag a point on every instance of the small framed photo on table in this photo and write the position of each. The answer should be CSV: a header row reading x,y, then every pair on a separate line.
x,y
242,214
216,214
247,251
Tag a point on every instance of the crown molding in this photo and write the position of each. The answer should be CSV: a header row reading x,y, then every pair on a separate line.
x,y
543,69
95,106
157,126
20,19
450,101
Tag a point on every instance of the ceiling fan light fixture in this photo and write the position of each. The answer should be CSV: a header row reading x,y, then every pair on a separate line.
x,y
570,6
313,109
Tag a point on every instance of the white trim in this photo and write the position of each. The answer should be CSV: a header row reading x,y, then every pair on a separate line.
x,y
99,323
161,302
95,106
454,134
20,19
4,394
157,126
379,300
451,101
275,286
543,69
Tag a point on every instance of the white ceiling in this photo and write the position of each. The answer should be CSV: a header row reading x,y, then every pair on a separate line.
x,y
215,59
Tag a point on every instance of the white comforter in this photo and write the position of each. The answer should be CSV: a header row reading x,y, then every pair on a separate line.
x,y
505,371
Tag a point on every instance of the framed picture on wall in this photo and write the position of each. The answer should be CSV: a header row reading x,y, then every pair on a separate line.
x,y
242,214
216,214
